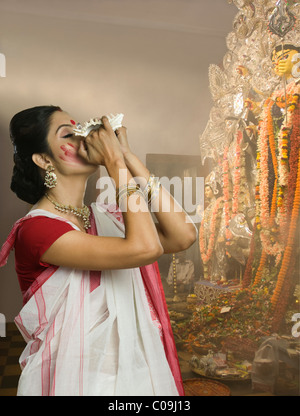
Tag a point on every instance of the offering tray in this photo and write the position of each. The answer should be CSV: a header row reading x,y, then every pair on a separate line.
x,y
217,367
227,377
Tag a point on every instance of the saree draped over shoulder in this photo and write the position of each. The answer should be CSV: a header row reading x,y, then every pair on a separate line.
x,y
89,339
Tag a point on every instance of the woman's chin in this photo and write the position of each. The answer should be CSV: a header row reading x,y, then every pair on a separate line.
x,y
86,170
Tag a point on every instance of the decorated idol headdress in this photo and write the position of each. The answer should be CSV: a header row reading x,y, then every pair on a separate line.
x,y
247,70
214,181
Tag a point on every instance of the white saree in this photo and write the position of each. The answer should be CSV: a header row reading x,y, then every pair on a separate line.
x,y
100,342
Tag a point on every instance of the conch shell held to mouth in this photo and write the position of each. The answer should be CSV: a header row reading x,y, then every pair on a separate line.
x,y
95,123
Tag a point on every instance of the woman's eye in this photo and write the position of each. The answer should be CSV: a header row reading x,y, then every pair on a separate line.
x,y
68,135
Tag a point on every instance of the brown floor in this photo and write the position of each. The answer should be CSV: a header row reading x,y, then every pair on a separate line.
x,y
13,344
11,348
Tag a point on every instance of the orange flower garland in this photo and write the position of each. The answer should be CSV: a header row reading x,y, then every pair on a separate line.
x,y
282,303
270,239
293,202
248,270
260,269
290,242
281,294
295,143
285,196
228,234
269,219
274,161
265,219
273,221
206,253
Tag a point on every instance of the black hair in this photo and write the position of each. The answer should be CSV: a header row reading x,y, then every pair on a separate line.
x,y
28,132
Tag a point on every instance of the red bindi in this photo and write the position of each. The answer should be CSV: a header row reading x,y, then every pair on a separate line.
x,y
73,122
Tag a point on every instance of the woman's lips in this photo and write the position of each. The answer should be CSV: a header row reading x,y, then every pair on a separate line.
x,y
70,154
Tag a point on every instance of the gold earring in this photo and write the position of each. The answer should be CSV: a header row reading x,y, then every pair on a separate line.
x,y
50,177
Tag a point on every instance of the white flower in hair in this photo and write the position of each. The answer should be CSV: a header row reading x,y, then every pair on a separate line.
x,y
95,123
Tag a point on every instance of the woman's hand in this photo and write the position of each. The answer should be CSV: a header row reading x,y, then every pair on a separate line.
x,y
121,134
101,147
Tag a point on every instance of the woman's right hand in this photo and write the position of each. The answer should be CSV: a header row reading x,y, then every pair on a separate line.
x,y
101,147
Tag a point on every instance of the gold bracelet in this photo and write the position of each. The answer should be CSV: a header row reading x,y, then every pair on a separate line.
x,y
126,191
152,189
147,190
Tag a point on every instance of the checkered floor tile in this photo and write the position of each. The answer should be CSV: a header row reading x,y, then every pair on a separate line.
x,y
11,348
13,344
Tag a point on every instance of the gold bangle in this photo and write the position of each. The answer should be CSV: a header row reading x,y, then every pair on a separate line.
x,y
126,191
152,188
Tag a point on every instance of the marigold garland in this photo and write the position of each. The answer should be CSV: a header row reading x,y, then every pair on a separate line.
x,y
206,252
290,132
247,278
290,241
285,195
260,268
226,193
273,221
293,159
273,211
282,303
264,218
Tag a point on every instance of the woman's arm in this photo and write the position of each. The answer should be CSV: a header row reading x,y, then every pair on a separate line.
x,y
175,229
141,244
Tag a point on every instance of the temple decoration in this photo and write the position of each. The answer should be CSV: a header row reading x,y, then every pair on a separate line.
x,y
253,134
282,19
252,139
210,247
176,297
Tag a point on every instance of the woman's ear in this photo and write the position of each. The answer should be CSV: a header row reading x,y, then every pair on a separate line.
x,y
41,160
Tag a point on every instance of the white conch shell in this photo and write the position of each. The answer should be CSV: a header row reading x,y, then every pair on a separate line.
x,y
95,123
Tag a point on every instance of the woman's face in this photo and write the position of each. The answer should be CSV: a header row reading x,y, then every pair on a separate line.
x,y
64,146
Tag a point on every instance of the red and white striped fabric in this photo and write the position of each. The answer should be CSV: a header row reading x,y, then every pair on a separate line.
x,y
104,339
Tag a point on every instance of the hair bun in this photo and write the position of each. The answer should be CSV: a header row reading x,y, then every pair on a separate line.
x,y
27,183
28,132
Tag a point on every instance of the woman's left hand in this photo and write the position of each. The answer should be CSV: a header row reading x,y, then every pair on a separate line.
x,y
121,134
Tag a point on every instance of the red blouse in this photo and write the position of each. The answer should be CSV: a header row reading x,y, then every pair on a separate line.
x,y
34,237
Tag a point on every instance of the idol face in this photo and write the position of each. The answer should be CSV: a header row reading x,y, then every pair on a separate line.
x,y
208,192
283,61
65,145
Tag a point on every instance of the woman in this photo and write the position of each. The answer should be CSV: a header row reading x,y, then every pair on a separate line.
x,y
94,315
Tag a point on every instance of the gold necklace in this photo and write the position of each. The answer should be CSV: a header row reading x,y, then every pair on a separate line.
x,y
83,213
